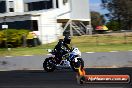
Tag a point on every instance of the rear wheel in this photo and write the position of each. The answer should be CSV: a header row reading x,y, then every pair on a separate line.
x,y
49,64
76,63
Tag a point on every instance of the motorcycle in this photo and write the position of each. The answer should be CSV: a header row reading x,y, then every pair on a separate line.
x,y
71,60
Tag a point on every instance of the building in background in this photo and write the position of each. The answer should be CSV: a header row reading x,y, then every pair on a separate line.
x,y
44,17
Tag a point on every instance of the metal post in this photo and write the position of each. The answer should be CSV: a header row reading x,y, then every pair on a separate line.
x,y
71,31
125,37
24,40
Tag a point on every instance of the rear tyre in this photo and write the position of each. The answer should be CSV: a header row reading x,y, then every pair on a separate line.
x,y
49,64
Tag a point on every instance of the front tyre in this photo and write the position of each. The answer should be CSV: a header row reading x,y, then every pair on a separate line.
x,y
76,63
49,65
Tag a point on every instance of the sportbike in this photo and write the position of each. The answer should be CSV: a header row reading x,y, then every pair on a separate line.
x,y
71,60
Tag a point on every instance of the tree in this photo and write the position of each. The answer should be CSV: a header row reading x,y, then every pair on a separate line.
x,y
97,19
120,10
113,25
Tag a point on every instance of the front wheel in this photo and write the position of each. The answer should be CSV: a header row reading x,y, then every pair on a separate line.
x,y
49,65
76,63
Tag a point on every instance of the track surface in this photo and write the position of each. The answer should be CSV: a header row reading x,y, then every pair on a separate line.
x,y
57,79
100,59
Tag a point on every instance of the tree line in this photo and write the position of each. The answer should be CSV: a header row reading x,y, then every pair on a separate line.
x,y
120,15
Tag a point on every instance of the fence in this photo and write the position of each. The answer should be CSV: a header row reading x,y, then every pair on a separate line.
x,y
114,38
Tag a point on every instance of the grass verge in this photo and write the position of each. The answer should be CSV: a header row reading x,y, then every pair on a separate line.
x,y
84,43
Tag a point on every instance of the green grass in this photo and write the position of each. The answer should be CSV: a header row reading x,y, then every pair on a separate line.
x,y
84,43
39,50
102,43
104,48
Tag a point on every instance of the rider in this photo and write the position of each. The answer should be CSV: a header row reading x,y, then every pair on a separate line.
x,y
62,48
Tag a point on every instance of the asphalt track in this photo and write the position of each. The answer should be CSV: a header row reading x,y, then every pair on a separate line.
x,y
92,60
57,79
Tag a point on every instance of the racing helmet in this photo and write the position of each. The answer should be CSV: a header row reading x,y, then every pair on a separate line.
x,y
67,40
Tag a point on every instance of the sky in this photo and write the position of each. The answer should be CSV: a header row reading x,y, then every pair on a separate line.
x,y
95,6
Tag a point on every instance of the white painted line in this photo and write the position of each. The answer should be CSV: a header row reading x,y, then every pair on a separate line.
x,y
114,51
8,56
114,66
90,52
27,55
130,50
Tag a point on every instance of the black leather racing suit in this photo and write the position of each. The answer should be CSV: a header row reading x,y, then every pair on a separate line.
x,y
61,49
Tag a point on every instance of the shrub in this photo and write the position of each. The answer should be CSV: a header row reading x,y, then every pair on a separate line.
x,y
1,37
13,37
